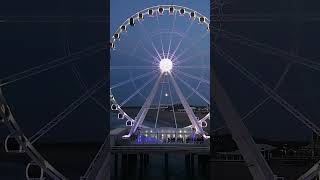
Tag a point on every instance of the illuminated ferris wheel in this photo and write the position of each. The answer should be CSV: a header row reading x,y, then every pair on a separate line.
x,y
161,69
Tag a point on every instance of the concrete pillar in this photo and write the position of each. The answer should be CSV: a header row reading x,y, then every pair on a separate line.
x,y
192,164
145,159
132,165
116,165
203,164
141,164
166,165
187,163
124,165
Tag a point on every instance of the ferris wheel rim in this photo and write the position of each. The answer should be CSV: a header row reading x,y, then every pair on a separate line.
x,y
135,16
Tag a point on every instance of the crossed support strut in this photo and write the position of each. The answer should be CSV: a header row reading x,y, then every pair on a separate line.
x,y
144,110
192,117
146,106
312,173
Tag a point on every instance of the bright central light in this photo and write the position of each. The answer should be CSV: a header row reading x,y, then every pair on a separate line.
x,y
165,65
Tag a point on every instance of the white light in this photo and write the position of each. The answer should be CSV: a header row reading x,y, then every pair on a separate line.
x,y
166,94
165,65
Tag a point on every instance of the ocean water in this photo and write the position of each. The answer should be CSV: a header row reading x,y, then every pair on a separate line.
x,y
155,169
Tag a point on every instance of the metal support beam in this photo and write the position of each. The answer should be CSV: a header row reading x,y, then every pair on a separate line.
x,y
100,166
312,173
187,108
257,165
201,120
145,108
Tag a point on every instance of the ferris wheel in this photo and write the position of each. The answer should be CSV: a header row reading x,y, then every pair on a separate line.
x,y
163,67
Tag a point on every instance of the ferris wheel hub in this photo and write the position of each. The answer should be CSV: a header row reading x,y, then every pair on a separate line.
x,y
165,65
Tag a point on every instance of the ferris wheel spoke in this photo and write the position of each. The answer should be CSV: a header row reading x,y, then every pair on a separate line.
x,y
132,67
173,111
133,55
267,99
161,40
277,98
53,64
173,24
147,51
193,76
85,87
269,49
180,61
135,86
193,67
192,93
192,45
194,90
155,125
150,39
137,91
264,101
283,75
132,79
73,106
163,54
183,37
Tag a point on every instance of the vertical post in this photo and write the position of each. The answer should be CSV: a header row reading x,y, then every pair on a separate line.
x,y
124,165
145,159
192,164
166,165
116,165
141,164
132,165
187,163
175,136
202,164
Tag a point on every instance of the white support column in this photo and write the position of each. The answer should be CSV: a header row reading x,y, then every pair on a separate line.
x,y
257,165
145,108
201,120
187,108
312,173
